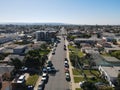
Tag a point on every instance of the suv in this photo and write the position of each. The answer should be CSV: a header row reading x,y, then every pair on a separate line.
x,y
44,70
67,76
66,65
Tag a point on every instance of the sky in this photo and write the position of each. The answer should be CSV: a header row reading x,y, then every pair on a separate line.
x,y
101,12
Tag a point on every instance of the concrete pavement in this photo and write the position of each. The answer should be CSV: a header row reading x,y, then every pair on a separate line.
x,y
57,81
73,85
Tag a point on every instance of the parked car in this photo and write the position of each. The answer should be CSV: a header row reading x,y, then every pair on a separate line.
x,y
44,79
45,75
53,69
41,85
53,52
48,69
44,70
30,87
66,65
66,59
49,64
80,83
66,62
65,48
66,70
67,76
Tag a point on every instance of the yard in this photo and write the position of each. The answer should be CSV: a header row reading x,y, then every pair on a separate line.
x,y
78,79
32,80
76,72
93,72
78,89
44,52
76,50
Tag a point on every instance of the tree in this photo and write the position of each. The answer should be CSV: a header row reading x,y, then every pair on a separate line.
x,y
88,86
119,79
17,63
44,46
32,62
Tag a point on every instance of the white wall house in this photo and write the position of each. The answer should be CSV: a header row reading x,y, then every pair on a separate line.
x,y
110,73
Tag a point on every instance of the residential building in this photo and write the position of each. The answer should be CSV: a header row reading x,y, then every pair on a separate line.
x,y
45,35
19,49
110,74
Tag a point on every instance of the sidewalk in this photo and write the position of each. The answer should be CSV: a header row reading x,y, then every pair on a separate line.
x,y
37,83
72,84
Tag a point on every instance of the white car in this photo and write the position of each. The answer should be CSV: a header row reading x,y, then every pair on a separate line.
x,y
44,75
66,62
80,83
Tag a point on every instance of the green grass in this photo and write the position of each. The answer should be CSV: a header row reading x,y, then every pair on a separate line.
x,y
78,89
87,72
76,72
80,54
105,54
32,80
94,72
78,79
44,52
76,50
70,47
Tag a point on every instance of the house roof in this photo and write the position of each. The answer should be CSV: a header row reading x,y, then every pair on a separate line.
x,y
5,68
112,71
8,58
111,59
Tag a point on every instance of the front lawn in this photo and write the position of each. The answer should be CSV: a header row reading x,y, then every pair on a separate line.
x,y
93,72
80,54
78,79
70,47
44,52
78,89
76,71
32,80
87,72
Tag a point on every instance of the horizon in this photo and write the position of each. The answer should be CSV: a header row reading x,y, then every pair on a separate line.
x,y
82,12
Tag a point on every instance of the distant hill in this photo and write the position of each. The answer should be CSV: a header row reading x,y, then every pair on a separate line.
x,y
17,23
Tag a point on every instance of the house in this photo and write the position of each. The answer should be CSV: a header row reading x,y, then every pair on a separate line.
x,y
12,56
5,71
19,49
108,50
110,73
86,40
112,60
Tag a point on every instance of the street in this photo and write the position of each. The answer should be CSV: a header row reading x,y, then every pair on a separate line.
x,y
58,81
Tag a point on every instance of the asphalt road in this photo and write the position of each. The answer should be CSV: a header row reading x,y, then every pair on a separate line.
x,y
57,81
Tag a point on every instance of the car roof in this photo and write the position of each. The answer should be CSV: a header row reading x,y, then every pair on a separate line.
x,y
67,73
41,82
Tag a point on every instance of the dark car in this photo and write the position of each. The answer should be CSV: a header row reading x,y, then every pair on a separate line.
x,y
44,70
65,48
49,64
66,65
67,76
53,52
30,87
53,69
66,59
41,85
